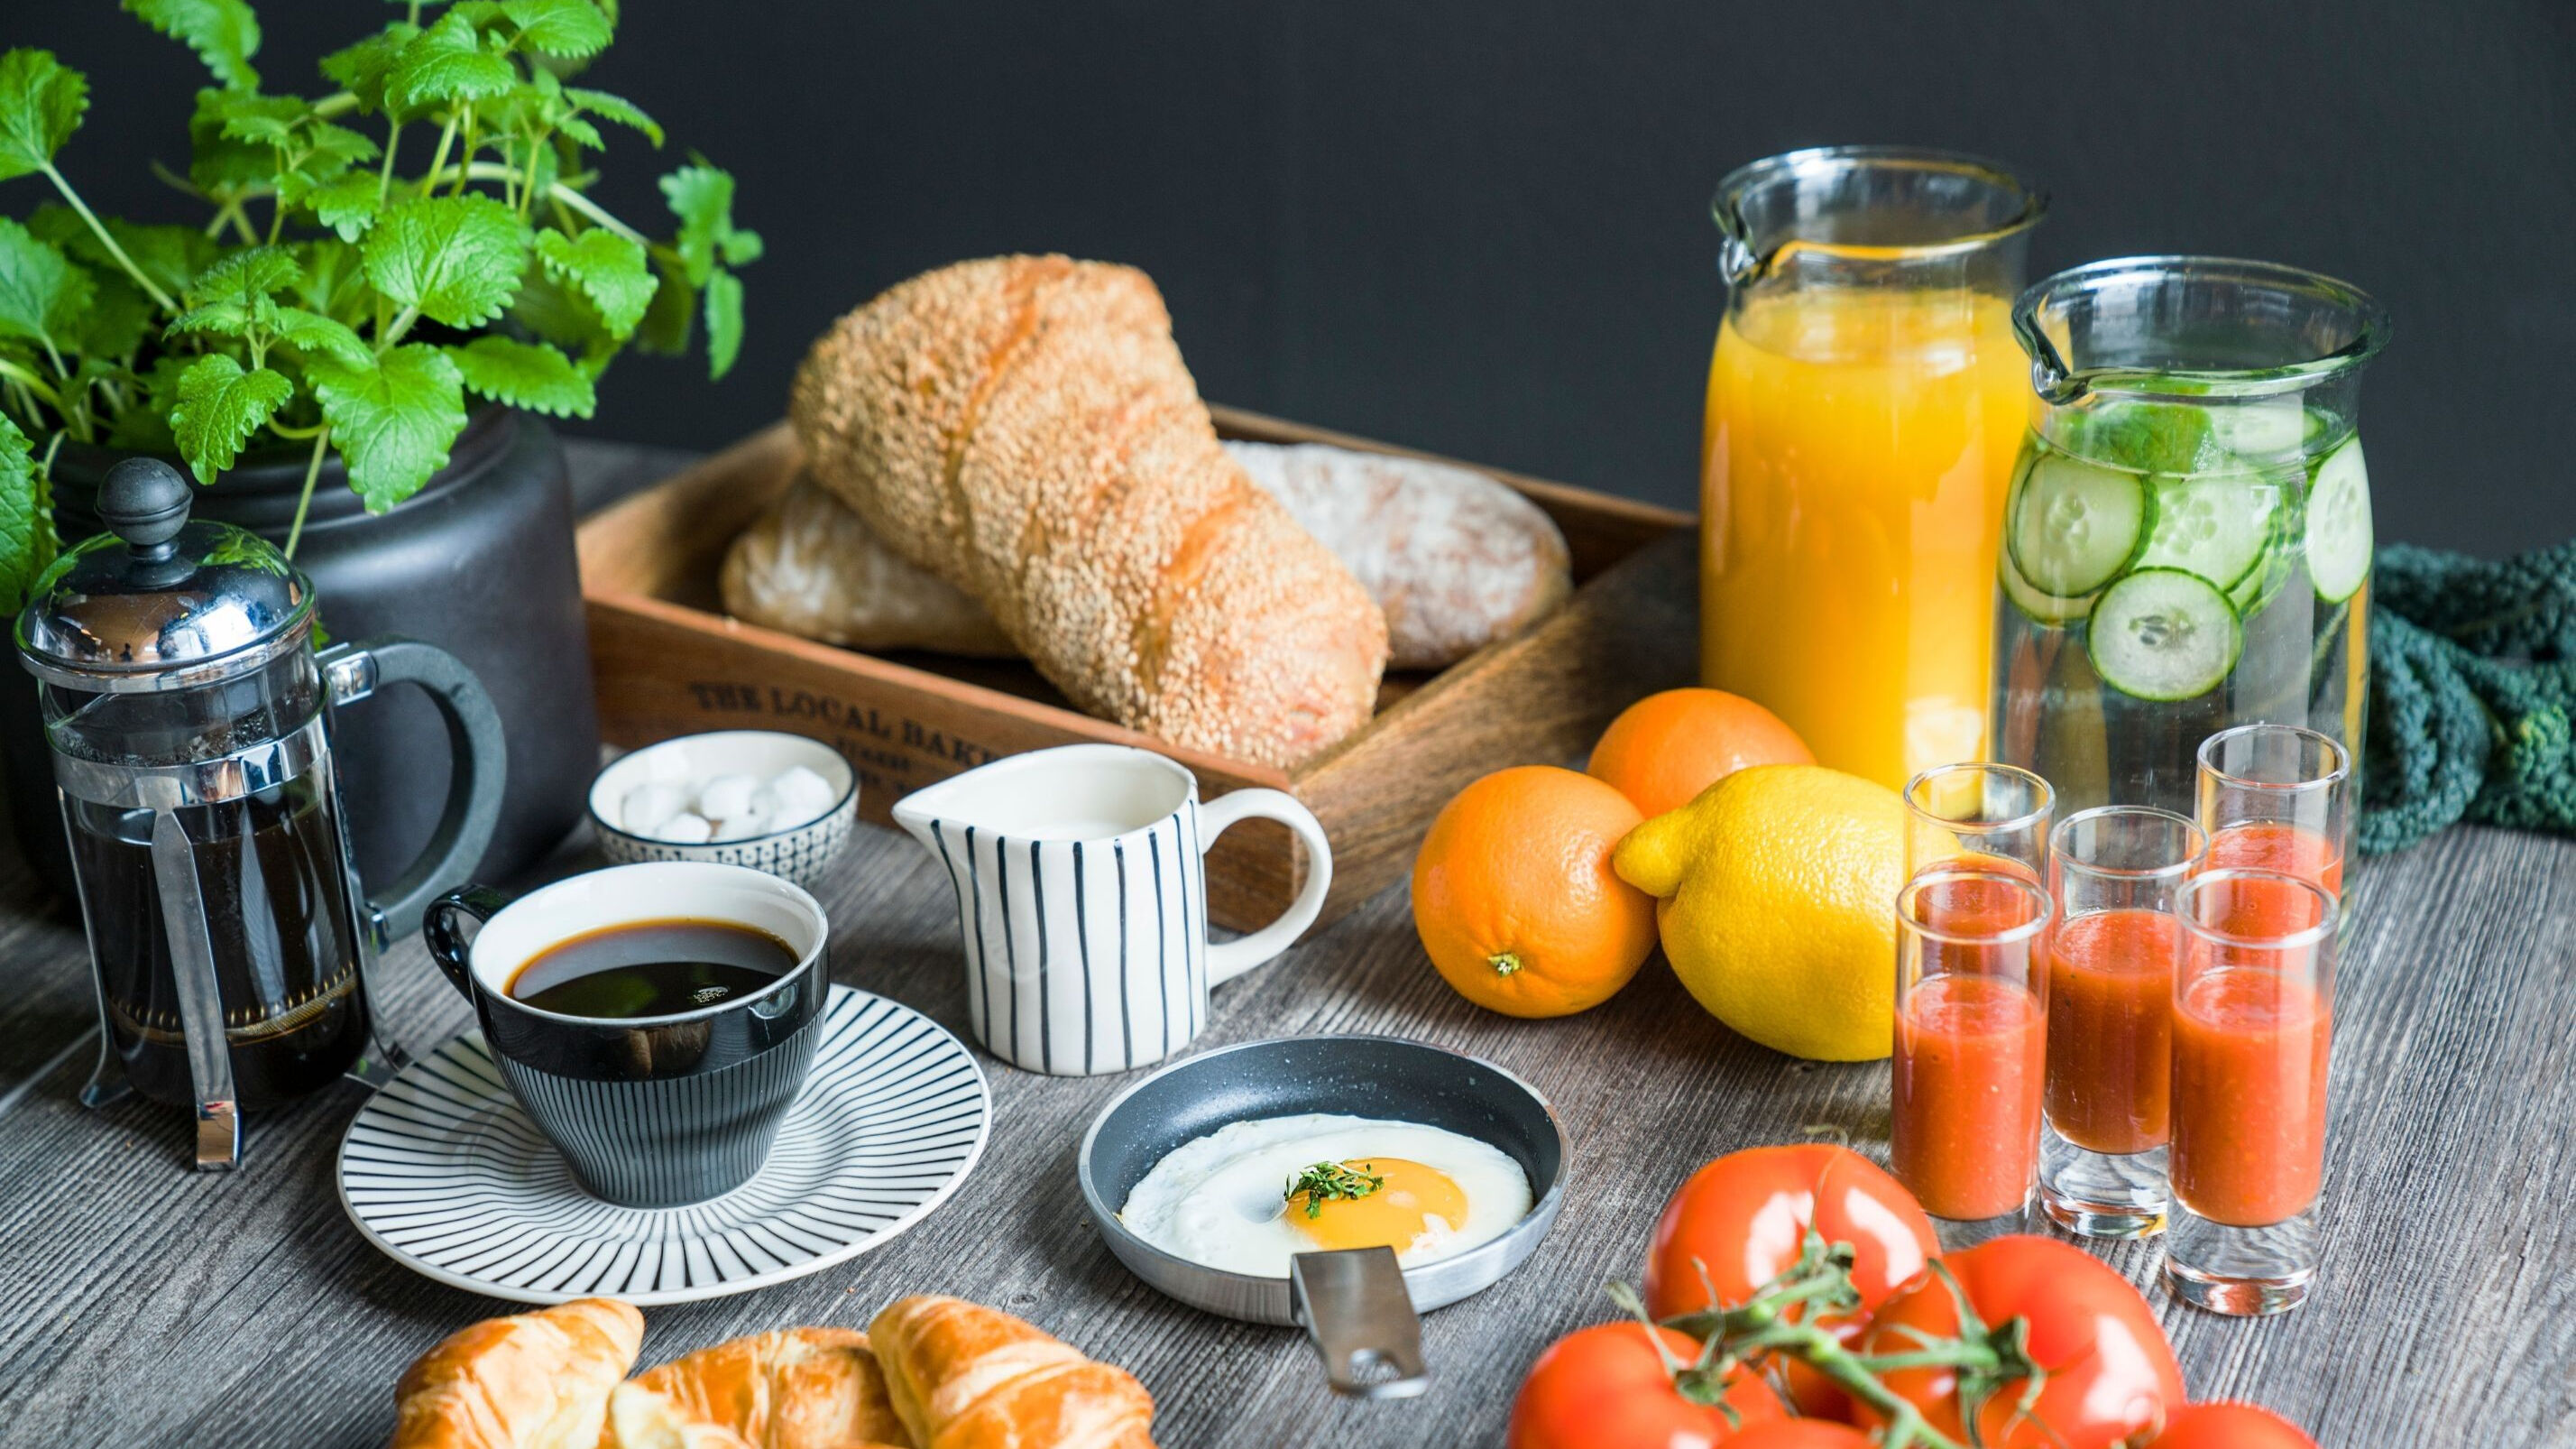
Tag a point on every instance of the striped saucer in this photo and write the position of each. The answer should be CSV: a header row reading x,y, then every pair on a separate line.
x,y
442,1170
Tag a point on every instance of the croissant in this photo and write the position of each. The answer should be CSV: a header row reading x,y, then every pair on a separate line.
x,y
798,1388
531,1381
1024,428
964,1376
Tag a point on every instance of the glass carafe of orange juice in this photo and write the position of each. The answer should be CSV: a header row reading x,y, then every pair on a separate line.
x,y
1864,410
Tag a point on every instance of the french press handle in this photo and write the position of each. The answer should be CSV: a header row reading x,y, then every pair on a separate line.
x,y
479,764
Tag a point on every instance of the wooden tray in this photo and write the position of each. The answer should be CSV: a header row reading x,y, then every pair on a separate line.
x,y
669,662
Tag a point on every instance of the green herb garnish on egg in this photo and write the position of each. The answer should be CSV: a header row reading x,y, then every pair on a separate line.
x,y
1327,1180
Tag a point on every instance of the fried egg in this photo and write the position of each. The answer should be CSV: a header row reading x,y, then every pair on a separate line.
x,y
1233,1199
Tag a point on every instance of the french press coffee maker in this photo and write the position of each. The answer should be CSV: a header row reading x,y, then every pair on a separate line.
x,y
190,724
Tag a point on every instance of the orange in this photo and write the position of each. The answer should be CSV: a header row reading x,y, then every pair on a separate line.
x,y
1515,898
1666,748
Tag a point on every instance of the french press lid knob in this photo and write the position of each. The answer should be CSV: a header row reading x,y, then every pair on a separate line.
x,y
145,502
161,601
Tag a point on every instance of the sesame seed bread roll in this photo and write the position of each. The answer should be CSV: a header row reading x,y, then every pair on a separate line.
x,y
1024,428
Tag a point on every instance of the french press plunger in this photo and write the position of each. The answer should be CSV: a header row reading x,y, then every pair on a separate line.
x,y
190,722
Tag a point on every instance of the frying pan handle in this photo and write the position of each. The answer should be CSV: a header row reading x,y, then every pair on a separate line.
x,y
1354,1305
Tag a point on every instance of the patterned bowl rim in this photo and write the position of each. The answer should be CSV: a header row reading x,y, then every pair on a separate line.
x,y
839,1255
849,794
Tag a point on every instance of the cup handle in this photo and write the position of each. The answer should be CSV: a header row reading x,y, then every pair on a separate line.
x,y
447,945
1229,959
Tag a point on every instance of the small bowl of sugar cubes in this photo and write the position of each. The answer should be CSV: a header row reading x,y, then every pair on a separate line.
x,y
775,802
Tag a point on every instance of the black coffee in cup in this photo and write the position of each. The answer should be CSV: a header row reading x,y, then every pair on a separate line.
x,y
654,1020
651,968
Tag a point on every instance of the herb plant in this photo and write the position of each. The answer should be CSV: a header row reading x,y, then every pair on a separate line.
x,y
346,290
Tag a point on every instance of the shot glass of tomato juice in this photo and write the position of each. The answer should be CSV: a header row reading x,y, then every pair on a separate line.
x,y
1971,1038
2279,798
2252,1022
2114,872
1978,816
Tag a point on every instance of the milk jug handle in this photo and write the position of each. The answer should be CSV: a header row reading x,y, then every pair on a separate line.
x,y
478,764
1229,959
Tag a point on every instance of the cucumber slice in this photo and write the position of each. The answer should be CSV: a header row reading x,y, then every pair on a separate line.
x,y
2163,634
2218,527
2339,535
2260,427
2152,437
2041,607
2075,525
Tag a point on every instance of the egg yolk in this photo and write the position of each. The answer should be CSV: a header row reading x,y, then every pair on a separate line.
x,y
1392,1216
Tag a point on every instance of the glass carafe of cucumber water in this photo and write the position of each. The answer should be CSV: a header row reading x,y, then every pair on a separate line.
x,y
2187,537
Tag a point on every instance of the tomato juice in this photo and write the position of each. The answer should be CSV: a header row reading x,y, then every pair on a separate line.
x,y
2110,1014
2248,1095
1970,1051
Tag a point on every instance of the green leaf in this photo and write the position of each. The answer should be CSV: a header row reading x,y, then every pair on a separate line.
x,y
313,332
26,519
41,293
554,311
610,270
447,62
361,69
346,203
724,322
41,102
257,119
615,108
220,406
666,324
329,148
456,259
394,420
232,295
241,276
223,33
527,375
572,127
571,29
218,164
117,320
702,198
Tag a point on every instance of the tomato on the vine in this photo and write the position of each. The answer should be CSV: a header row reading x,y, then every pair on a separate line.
x,y
2230,1426
1606,1387
2108,1370
1742,1219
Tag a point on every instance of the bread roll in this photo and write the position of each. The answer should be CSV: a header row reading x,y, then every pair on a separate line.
x,y
797,1388
1024,428
964,1376
530,1381
1453,559
808,566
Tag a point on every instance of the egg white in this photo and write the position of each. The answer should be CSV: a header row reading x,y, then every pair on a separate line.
x,y
1218,1200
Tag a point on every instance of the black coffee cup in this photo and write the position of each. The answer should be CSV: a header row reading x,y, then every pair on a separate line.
x,y
649,1111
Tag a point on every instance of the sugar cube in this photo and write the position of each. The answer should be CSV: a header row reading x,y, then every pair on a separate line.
x,y
802,795
646,807
726,796
686,828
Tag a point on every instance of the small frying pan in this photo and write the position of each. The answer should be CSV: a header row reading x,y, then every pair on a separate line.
x,y
1358,1305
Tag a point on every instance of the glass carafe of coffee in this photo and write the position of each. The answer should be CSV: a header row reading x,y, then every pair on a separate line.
x,y
190,723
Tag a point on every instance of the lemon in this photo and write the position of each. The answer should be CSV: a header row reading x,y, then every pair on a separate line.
x,y
1776,897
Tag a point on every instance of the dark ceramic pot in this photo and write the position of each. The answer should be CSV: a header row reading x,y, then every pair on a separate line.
x,y
480,563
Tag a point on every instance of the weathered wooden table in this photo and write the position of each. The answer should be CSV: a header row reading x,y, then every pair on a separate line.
x,y
141,1305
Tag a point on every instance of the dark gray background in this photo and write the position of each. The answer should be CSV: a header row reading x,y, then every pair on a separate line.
x,y
1480,226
